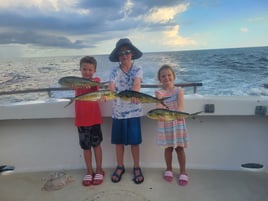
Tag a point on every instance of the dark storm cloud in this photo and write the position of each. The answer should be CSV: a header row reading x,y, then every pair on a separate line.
x,y
40,39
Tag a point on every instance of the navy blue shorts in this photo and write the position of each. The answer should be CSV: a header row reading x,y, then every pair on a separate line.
x,y
126,131
89,136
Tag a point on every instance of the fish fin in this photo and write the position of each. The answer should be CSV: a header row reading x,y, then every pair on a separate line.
x,y
70,102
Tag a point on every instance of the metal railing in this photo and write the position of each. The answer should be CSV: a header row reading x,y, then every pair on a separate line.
x,y
50,90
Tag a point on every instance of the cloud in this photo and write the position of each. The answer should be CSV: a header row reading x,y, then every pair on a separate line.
x,y
173,38
166,40
47,5
244,29
40,39
74,24
165,14
127,8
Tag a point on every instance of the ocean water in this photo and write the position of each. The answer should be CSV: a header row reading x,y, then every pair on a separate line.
x,y
223,72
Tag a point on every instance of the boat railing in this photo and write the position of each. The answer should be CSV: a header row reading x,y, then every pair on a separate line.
x,y
53,89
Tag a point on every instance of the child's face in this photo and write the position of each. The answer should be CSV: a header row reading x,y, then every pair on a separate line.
x,y
87,70
166,77
125,56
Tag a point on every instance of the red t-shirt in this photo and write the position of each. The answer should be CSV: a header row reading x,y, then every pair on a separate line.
x,y
87,113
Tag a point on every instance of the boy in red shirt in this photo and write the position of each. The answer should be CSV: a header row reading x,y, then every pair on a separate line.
x,y
88,122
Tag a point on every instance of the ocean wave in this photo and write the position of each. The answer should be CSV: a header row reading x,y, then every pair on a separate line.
x,y
12,78
225,72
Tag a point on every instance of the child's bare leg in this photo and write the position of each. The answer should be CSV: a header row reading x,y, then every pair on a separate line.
x,y
119,157
120,154
98,159
88,161
181,159
168,158
135,150
138,176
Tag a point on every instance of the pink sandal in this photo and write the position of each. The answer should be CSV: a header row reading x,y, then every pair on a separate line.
x,y
168,176
183,179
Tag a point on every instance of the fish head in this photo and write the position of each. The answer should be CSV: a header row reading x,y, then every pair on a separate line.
x,y
109,94
63,81
154,114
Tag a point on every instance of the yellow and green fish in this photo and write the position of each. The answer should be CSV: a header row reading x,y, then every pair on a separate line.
x,y
94,96
79,82
169,115
142,97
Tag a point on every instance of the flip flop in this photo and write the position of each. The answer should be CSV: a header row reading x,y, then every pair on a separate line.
x,y
98,179
183,179
6,169
168,176
87,180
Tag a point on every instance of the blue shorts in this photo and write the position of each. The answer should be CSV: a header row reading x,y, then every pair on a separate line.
x,y
126,131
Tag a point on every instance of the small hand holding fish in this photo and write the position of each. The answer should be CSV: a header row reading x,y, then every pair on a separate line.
x,y
135,100
161,118
102,99
180,118
159,96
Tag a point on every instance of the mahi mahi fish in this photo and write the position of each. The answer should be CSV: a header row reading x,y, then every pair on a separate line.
x,y
79,82
169,115
94,96
142,97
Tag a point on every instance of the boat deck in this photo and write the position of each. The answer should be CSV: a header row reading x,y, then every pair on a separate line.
x,y
214,185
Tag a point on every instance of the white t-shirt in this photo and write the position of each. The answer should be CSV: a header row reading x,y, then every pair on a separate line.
x,y
124,81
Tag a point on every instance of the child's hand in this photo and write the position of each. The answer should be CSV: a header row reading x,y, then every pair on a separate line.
x,y
180,119
73,87
158,95
162,118
134,100
102,99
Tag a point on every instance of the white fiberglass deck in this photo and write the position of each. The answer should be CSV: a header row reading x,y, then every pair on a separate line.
x,y
39,138
204,185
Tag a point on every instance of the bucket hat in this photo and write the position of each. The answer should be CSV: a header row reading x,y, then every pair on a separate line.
x,y
136,53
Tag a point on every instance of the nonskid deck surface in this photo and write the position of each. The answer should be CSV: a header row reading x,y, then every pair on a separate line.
x,y
214,185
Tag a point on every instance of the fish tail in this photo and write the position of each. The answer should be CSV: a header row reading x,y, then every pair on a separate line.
x,y
193,115
196,113
104,84
162,102
70,102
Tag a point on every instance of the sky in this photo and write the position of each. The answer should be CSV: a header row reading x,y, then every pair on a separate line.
x,y
34,28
